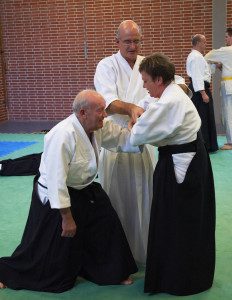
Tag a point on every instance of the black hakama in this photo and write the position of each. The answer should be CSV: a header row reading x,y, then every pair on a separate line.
x,y
21,166
181,245
206,113
45,261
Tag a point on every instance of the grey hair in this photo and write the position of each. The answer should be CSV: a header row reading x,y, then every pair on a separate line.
x,y
124,24
196,39
82,100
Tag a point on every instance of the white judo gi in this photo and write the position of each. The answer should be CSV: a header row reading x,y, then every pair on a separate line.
x,y
127,178
224,56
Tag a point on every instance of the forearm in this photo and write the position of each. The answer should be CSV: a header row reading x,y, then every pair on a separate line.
x,y
120,107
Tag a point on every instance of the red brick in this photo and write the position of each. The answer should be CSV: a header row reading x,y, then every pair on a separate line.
x,y
44,45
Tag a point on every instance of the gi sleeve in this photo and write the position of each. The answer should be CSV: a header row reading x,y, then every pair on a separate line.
x,y
105,82
157,123
215,55
57,157
116,138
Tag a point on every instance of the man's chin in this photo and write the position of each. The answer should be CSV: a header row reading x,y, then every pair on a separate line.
x,y
132,55
100,125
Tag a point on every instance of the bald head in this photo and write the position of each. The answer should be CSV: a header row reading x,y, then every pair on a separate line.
x,y
197,38
128,39
127,26
199,43
89,108
85,99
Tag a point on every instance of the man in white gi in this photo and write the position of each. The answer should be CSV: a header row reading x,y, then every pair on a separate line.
x,y
223,56
127,178
199,73
72,229
181,243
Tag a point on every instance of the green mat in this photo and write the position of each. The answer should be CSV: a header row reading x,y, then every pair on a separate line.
x,y
15,200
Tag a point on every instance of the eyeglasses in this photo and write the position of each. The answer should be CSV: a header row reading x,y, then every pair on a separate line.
x,y
130,42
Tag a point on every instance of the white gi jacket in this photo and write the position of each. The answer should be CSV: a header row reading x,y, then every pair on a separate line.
x,y
170,120
224,56
70,159
198,69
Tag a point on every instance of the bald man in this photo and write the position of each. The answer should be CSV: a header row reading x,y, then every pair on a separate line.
x,y
199,73
127,178
72,229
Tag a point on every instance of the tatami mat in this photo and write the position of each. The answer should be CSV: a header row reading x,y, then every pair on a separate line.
x,y
15,194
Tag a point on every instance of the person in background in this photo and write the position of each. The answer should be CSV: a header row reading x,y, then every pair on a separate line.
x,y
126,177
199,73
222,57
72,229
181,243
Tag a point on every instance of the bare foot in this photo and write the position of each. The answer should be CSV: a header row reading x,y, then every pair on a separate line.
x,y
127,281
2,286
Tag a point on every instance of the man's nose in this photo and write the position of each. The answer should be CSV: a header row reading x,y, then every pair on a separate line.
x,y
133,45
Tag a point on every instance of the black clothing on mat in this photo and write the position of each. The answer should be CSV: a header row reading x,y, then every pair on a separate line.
x,y
24,165
45,261
181,245
206,113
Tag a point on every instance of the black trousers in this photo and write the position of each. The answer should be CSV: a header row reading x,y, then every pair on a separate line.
x,y
206,113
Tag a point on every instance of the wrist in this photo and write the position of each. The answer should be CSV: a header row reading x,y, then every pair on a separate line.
x,y
65,213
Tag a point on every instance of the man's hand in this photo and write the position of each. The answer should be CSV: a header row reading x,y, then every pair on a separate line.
x,y
69,227
204,96
218,65
134,113
124,108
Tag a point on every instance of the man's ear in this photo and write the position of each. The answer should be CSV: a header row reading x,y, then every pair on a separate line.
x,y
116,40
82,112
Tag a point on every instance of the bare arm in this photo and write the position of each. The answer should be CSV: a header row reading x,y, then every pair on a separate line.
x,y
124,108
68,224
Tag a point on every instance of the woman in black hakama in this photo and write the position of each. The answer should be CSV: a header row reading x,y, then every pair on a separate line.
x,y
181,246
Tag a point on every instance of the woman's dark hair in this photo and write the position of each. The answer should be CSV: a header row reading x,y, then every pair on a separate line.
x,y
158,65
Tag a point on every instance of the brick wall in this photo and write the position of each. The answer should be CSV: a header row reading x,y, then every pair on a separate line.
x,y
229,13
3,110
44,45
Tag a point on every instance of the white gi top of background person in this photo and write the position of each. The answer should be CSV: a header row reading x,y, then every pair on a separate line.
x,y
198,69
